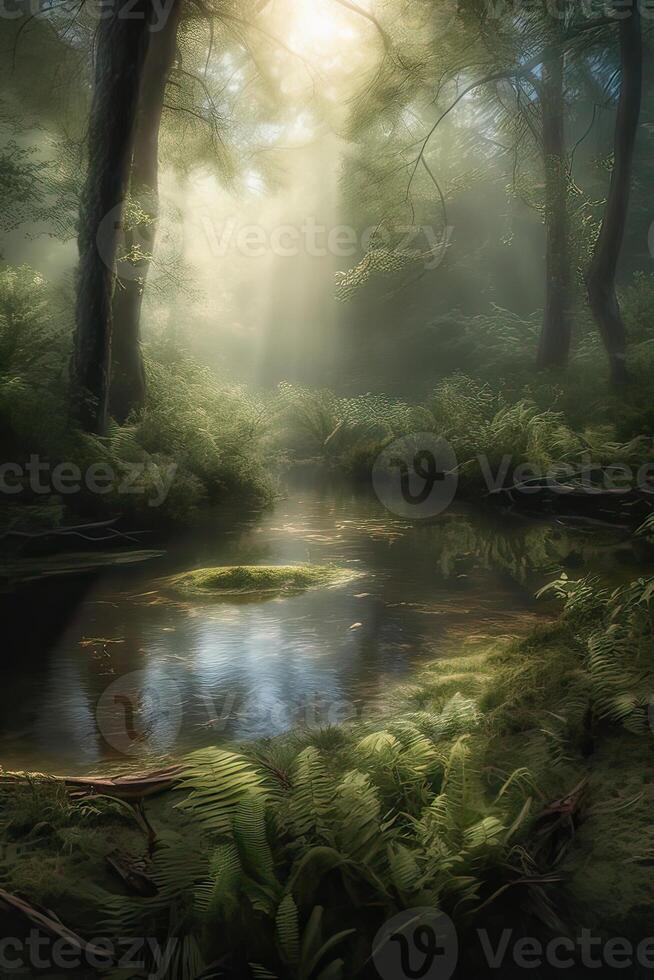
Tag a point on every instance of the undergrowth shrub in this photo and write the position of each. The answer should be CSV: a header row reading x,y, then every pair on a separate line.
x,y
291,860
345,433
214,441
204,437
616,631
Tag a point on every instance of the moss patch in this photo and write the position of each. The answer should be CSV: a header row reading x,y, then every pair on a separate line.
x,y
259,580
608,873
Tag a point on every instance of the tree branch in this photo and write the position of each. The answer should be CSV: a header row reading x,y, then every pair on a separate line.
x,y
516,72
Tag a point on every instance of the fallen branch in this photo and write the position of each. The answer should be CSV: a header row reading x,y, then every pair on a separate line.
x,y
134,787
48,922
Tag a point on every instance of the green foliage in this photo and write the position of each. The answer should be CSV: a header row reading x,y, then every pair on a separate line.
x,y
201,438
20,177
209,441
475,420
389,820
287,857
493,345
217,782
346,433
617,630
32,349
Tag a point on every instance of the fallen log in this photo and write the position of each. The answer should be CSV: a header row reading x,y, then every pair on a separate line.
x,y
137,786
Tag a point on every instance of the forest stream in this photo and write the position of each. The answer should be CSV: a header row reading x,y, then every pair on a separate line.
x,y
137,674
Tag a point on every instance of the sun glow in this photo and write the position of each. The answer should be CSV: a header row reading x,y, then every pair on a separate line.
x,y
326,46
321,28
319,24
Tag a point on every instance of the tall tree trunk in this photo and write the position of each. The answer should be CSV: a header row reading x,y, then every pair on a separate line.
x,y
122,43
602,274
128,376
554,347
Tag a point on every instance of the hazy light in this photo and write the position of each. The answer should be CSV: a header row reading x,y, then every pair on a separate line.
x,y
321,26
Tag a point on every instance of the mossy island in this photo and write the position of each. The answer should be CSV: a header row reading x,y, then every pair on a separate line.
x,y
266,581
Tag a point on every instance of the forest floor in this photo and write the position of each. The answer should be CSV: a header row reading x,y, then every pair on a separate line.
x,y
548,807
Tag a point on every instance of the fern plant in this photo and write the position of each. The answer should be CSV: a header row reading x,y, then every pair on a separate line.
x,y
617,630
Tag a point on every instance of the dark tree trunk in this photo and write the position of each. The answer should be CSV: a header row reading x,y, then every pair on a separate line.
x,y
602,274
128,376
554,347
121,49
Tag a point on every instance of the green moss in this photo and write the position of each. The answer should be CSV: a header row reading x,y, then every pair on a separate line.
x,y
608,872
259,580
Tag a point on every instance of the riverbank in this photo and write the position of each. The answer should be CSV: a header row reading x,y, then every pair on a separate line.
x,y
488,786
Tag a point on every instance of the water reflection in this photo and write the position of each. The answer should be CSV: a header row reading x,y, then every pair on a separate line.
x,y
173,675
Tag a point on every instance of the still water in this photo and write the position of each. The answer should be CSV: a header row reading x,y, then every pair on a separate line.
x,y
136,675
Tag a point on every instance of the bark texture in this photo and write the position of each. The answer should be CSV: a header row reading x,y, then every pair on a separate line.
x,y
554,347
122,43
128,376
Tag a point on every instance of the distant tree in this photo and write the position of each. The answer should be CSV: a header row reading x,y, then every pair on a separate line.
x,y
602,274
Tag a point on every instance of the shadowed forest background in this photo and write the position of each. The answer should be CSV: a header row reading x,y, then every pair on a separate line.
x,y
251,251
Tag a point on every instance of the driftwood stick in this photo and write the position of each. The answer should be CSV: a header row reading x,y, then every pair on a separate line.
x,y
133,787
49,923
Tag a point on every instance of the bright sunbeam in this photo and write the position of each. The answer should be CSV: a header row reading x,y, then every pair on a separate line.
x,y
320,25
327,47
